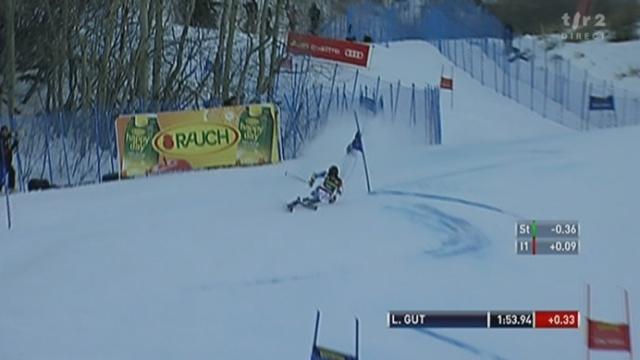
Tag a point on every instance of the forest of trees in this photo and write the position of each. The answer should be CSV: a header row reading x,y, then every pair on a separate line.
x,y
76,55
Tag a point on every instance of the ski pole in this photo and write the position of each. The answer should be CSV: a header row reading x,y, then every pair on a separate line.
x,y
296,177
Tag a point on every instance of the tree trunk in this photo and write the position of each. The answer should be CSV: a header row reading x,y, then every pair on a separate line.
x,y
142,63
245,67
217,64
84,74
10,55
180,54
158,43
228,56
275,57
106,52
67,55
262,62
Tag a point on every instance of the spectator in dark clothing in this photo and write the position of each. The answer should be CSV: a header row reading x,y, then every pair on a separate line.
x,y
314,19
508,39
8,144
350,36
292,16
251,22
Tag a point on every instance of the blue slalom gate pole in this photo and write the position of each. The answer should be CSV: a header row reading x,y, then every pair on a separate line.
x,y
315,331
364,157
357,339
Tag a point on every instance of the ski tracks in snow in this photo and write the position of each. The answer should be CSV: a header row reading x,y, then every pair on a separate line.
x,y
482,354
462,237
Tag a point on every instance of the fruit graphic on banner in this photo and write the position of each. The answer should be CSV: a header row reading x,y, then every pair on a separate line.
x,y
256,135
198,139
139,157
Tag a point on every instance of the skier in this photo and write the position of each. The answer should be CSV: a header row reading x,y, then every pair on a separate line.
x,y
328,191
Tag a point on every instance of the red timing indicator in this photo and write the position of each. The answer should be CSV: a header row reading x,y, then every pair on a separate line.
x,y
557,319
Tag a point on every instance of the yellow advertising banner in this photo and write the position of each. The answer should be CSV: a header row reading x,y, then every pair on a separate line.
x,y
200,139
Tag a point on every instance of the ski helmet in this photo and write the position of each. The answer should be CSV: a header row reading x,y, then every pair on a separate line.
x,y
333,170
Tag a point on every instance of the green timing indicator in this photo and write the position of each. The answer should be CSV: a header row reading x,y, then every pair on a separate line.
x,y
534,229
546,237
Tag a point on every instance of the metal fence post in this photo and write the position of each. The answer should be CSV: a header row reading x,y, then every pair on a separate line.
x,y
455,52
64,148
391,97
624,107
473,72
413,105
532,76
395,108
546,80
333,82
98,156
20,173
482,68
584,95
495,67
48,150
353,93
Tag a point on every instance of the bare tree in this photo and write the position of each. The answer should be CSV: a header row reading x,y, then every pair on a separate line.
x,y
142,63
109,32
10,55
217,64
275,58
228,58
178,67
262,62
158,47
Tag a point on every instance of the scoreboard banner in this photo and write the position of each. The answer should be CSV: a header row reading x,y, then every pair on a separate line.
x,y
346,52
556,319
199,139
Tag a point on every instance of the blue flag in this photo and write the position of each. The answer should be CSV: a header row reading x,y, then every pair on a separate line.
x,y
356,143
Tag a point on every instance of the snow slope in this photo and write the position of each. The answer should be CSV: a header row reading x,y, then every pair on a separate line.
x,y
618,62
207,265
478,114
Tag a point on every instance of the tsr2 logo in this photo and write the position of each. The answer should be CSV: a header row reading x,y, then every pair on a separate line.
x,y
580,20
583,21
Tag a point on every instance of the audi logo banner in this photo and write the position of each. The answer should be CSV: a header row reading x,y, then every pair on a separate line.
x,y
342,51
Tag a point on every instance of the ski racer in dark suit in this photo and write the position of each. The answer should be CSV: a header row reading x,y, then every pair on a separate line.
x,y
328,191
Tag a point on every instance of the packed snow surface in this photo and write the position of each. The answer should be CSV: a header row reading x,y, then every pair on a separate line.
x,y
209,265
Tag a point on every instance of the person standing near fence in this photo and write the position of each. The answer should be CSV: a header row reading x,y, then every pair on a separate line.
x,y
314,19
292,16
507,36
9,143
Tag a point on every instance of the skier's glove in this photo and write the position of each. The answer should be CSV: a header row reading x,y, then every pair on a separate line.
x,y
311,181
